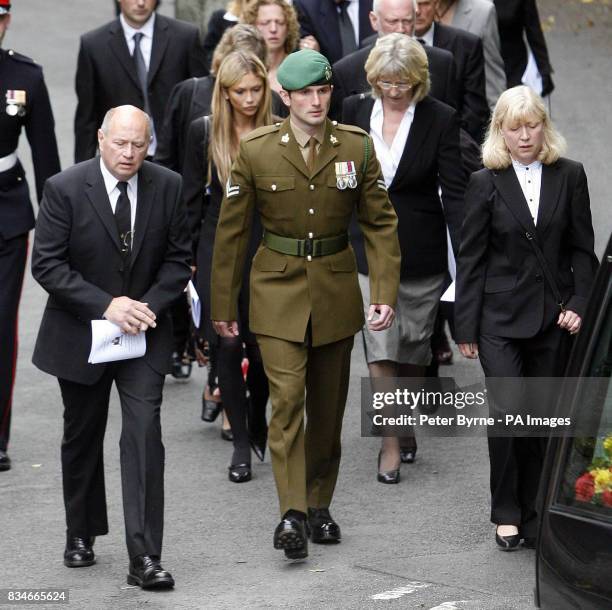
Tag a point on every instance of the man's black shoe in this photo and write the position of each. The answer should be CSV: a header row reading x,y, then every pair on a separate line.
x,y
5,461
79,552
290,535
323,529
146,572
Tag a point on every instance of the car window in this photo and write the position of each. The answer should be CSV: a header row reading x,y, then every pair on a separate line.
x,y
587,474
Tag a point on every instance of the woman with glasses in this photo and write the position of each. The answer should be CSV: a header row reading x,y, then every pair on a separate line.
x,y
240,103
417,143
277,22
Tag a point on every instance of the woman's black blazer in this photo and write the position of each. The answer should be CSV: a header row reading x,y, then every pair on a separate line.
x,y
501,287
431,158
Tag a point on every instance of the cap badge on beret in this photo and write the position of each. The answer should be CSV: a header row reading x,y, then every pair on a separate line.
x,y
303,69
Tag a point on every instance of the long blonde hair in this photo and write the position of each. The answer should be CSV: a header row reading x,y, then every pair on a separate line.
x,y
223,143
519,105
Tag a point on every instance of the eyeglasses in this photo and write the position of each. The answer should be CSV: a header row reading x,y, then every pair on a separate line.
x,y
385,85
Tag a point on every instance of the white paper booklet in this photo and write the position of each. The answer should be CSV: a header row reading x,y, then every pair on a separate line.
x,y
196,306
109,344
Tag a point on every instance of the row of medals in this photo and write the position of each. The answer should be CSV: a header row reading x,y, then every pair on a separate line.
x,y
15,103
346,176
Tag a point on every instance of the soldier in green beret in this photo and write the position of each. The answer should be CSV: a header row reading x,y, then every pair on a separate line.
x,y
306,177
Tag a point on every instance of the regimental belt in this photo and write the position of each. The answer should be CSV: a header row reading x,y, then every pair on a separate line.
x,y
305,247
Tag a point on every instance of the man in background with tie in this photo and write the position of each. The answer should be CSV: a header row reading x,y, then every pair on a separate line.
x,y
135,59
333,27
112,243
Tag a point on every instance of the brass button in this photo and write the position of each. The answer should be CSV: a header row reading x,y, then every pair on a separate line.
x,y
311,187
19,179
311,211
310,235
309,258
273,187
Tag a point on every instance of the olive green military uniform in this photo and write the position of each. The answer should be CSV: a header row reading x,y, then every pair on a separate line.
x,y
305,311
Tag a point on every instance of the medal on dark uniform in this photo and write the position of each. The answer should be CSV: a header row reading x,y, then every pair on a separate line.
x,y
346,175
15,102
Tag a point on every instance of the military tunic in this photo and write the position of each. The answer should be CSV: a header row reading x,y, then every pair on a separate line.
x,y
288,291
24,103
305,310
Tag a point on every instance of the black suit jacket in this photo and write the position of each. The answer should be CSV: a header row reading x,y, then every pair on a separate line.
x,y
515,17
501,288
106,75
471,93
431,158
77,260
319,18
191,99
349,77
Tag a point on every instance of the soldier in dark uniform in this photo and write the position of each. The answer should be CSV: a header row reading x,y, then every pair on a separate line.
x,y
24,102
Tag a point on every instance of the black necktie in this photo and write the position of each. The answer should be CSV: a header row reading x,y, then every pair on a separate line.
x,y
141,69
123,217
422,41
347,33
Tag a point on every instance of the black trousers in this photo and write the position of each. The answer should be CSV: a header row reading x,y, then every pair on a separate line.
x,y
13,255
516,463
141,454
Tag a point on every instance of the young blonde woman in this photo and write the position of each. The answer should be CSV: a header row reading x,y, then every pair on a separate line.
x,y
240,104
524,271
277,21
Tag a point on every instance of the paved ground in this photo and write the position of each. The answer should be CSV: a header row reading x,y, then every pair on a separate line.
x,y
425,543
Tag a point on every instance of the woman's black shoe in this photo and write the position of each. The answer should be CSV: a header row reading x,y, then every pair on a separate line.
x,y
390,477
407,455
227,434
507,543
240,473
210,410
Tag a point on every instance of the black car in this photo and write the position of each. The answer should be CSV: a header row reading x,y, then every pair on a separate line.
x,y
574,549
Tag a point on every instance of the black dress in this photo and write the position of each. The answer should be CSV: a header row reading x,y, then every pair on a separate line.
x,y
203,208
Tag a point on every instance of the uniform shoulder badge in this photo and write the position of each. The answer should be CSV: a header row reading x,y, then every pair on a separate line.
x,y
23,58
231,190
285,138
352,128
261,131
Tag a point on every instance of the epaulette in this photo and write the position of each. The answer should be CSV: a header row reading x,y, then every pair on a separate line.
x,y
19,57
261,131
353,128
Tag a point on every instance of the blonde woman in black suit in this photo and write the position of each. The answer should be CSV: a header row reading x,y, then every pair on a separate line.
x,y
507,311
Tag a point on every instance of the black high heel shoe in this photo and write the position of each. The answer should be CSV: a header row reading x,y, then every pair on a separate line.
x,y
507,543
391,477
240,473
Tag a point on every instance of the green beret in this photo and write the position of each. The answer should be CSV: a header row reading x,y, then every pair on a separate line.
x,y
302,69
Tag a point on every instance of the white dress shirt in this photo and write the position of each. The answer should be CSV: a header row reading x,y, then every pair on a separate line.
x,y
146,43
110,184
352,10
530,179
389,157
428,36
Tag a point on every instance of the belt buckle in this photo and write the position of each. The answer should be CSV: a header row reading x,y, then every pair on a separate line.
x,y
308,247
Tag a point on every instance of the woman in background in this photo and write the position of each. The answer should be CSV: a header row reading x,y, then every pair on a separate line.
x,y
277,22
241,102
416,138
